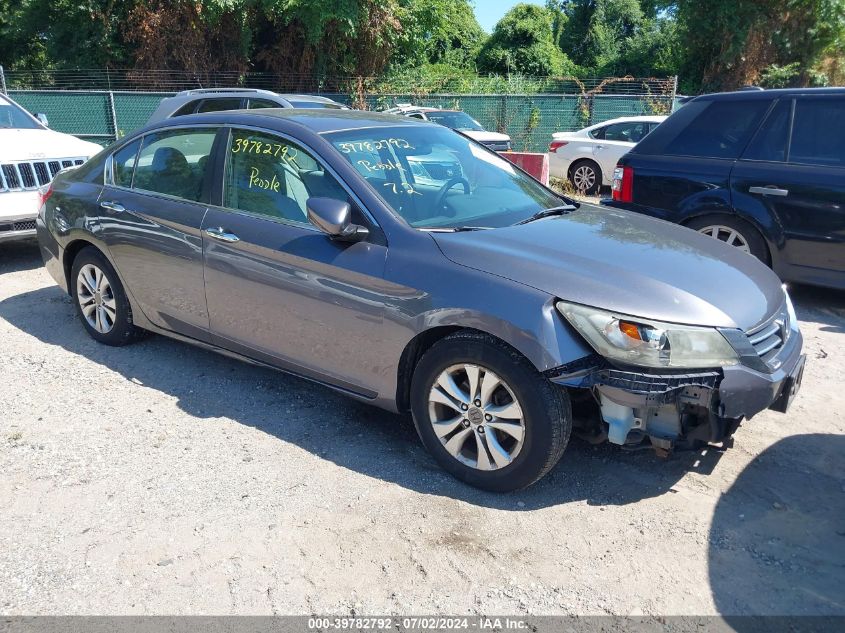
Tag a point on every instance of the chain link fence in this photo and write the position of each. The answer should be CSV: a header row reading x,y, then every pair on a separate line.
x,y
75,101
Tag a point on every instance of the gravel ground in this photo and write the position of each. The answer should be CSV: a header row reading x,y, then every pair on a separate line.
x,y
162,479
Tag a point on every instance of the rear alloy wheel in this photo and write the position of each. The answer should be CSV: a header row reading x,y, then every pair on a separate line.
x,y
733,231
486,414
726,234
586,176
101,302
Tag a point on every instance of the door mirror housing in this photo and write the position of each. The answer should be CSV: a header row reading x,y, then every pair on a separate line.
x,y
42,119
334,218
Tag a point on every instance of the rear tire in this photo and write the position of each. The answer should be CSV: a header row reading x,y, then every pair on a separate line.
x,y
504,407
101,302
585,175
735,231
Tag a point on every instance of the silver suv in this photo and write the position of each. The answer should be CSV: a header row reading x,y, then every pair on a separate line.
x,y
218,99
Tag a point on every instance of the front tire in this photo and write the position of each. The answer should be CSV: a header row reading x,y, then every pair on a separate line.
x,y
101,302
486,414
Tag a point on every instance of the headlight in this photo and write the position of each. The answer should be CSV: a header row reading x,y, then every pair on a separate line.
x,y
649,343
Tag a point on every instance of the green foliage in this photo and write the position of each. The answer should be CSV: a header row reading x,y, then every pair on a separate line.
x,y
597,31
439,32
522,43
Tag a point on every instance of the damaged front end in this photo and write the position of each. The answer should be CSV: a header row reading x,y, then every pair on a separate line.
x,y
644,383
678,410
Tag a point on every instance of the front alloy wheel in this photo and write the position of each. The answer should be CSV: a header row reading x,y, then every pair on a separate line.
x,y
486,414
476,416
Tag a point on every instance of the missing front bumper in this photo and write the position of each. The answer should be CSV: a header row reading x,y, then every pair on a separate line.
x,y
675,409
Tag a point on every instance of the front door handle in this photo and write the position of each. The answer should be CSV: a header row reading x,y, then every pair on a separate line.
x,y
769,190
219,233
114,207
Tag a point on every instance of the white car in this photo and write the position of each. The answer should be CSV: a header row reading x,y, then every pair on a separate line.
x,y
588,157
457,120
30,156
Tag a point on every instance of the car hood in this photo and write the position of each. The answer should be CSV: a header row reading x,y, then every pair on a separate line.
x,y
22,145
483,136
627,263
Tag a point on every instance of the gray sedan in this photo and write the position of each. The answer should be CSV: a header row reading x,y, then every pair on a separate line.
x,y
502,316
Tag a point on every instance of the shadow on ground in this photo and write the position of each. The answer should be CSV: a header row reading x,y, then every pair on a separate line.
x,y
777,540
19,256
364,439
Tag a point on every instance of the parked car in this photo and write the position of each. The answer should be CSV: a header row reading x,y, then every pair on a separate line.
x,y
763,170
30,156
588,157
456,120
484,305
219,99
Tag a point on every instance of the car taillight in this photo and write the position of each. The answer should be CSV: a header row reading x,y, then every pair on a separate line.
x,y
555,145
623,184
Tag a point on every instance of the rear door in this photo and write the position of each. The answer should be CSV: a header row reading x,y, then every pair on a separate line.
x,y
151,213
794,170
279,289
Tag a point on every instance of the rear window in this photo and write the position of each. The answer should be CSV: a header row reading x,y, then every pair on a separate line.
x,y
219,105
818,133
769,144
707,129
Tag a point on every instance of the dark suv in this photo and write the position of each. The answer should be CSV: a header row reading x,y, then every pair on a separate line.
x,y
762,170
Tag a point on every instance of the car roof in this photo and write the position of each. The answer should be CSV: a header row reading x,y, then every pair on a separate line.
x,y
654,118
773,93
318,121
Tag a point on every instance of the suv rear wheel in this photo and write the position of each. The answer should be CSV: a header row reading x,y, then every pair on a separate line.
x,y
734,232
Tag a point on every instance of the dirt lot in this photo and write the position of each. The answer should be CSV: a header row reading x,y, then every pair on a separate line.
x,y
161,479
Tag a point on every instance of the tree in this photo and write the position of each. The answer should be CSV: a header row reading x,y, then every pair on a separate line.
x,y
597,31
730,43
522,43
438,32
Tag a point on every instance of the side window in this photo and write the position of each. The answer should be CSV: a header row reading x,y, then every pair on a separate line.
x,y
720,129
188,108
769,144
818,133
218,105
598,132
174,162
626,132
270,176
123,164
416,115
257,104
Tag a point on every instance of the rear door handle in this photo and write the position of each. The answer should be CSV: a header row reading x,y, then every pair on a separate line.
x,y
769,190
218,233
114,207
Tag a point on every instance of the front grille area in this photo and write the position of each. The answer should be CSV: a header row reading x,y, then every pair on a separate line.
x,y
23,225
768,337
29,175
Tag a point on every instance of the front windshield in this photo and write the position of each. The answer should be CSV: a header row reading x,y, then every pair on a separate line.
x,y
11,116
434,178
455,120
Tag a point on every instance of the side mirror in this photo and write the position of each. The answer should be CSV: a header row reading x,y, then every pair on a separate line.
x,y
42,119
334,218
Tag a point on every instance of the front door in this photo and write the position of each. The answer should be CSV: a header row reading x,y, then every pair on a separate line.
x,y
279,289
150,218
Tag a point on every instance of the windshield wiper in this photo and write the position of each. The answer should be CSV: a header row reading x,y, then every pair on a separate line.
x,y
452,229
545,213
